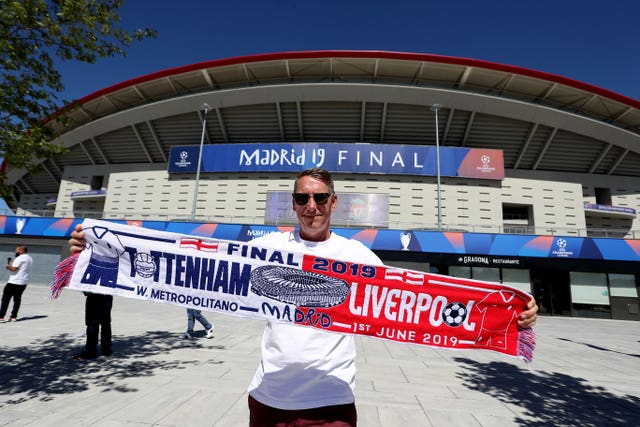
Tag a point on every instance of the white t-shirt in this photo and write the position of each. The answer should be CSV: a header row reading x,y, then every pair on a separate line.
x,y
21,277
302,367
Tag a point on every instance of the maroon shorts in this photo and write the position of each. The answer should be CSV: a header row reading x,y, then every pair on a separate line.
x,y
261,415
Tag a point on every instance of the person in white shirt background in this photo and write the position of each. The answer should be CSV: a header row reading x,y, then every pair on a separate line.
x,y
20,269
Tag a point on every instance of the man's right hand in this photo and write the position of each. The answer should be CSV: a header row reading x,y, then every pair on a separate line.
x,y
77,242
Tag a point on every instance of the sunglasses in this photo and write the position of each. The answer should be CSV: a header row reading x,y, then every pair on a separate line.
x,y
302,199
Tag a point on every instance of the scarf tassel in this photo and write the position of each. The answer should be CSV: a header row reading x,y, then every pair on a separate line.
x,y
526,344
62,275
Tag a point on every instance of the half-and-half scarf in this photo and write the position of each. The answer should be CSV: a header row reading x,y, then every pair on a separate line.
x,y
241,279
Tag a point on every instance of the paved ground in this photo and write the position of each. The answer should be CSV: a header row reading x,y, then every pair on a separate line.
x,y
585,373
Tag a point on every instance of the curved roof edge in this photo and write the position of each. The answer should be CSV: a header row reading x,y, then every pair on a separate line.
x,y
368,54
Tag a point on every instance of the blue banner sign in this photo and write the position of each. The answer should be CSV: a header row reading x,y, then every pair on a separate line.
x,y
480,245
88,194
342,158
609,208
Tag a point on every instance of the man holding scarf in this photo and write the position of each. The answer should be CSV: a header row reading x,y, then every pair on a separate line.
x,y
307,376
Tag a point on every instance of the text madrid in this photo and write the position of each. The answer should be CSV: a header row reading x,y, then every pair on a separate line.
x,y
317,157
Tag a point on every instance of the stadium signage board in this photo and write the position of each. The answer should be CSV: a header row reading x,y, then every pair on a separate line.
x,y
395,159
88,193
353,210
609,208
491,246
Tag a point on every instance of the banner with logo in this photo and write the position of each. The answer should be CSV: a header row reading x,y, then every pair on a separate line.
x,y
396,159
240,279
354,209
487,248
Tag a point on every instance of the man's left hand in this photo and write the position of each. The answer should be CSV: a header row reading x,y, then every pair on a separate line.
x,y
528,317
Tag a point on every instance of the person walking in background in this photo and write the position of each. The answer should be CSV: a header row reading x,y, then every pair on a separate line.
x,y
192,316
20,269
97,317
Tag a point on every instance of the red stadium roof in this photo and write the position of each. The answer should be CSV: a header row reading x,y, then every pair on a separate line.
x,y
541,121
405,56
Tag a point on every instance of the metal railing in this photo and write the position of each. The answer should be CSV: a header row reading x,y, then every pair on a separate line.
x,y
617,233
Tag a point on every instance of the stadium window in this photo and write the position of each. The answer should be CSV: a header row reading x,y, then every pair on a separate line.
x,y
623,285
590,294
517,278
460,271
603,196
488,274
96,182
517,218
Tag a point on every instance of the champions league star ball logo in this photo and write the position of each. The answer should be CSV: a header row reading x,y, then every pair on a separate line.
x,y
562,249
454,314
562,245
144,265
184,160
486,167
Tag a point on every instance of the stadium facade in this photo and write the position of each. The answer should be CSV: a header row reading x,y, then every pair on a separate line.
x,y
444,164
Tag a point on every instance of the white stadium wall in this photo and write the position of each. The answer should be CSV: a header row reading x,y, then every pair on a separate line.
x,y
138,190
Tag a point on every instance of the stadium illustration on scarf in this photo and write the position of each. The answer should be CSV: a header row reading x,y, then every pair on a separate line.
x,y
240,279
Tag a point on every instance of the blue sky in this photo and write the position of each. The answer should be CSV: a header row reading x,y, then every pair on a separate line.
x,y
593,42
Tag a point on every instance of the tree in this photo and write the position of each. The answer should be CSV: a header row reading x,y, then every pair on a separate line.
x,y
33,35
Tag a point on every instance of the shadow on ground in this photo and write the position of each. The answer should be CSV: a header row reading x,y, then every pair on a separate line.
x,y
36,317
549,398
46,368
597,347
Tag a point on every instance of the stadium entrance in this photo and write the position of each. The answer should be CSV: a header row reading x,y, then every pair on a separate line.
x,y
552,291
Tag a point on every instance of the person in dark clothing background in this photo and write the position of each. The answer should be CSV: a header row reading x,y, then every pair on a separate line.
x,y
98,320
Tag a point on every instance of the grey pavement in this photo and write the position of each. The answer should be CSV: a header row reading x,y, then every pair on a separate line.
x,y
585,373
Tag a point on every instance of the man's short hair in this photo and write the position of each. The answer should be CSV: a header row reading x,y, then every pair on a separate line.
x,y
23,248
317,173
